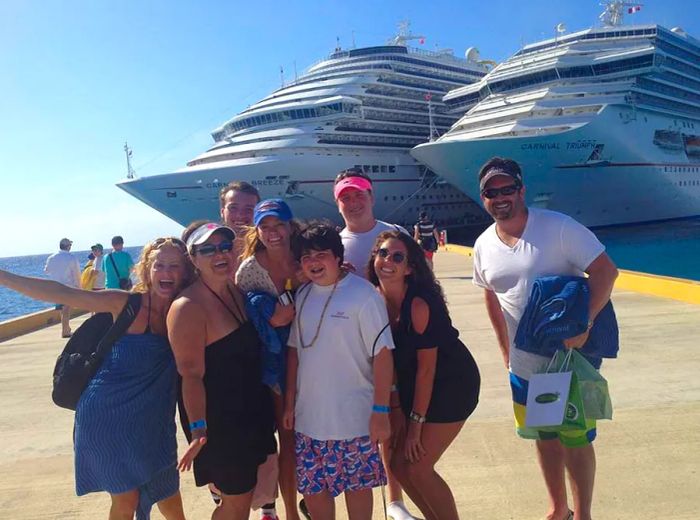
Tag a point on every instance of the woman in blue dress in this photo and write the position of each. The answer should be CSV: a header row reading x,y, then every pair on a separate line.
x,y
124,433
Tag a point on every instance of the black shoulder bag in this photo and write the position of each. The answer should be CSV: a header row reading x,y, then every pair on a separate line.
x,y
124,283
86,350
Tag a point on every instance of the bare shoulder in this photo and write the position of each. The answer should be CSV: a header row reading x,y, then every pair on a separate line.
x,y
420,314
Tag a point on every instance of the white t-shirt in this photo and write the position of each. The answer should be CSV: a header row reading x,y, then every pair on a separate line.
x,y
99,273
335,381
63,267
358,246
552,244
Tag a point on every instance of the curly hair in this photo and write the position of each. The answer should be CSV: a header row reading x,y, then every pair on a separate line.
x,y
148,255
421,275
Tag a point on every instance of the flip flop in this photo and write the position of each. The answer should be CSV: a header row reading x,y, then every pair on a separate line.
x,y
304,510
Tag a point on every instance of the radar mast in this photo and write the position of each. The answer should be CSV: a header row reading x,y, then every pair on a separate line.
x,y
405,35
614,11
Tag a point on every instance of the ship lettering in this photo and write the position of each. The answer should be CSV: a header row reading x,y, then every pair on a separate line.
x,y
216,185
540,146
268,182
581,145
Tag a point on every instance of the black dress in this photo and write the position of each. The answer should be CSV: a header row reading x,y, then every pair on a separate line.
x,y
239,414
457,381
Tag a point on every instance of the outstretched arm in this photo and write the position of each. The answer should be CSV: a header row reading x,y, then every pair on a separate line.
x,y
48,290
498,322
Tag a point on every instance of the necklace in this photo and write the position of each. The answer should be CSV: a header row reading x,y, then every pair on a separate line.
x,y
237,317
320,321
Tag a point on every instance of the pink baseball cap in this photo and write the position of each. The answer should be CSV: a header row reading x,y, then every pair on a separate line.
x,y
358,183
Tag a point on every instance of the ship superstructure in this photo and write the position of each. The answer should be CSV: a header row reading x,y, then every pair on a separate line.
x,y
358,108
605,123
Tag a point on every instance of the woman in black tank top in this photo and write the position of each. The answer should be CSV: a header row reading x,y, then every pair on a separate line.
x,y
225,410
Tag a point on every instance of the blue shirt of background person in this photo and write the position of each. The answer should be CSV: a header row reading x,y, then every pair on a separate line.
x,y
122,260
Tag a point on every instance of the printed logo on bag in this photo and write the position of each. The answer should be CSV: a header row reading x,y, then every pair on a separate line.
x,y
549,397
571,411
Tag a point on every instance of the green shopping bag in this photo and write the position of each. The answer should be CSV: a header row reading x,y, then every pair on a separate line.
x,y
593,388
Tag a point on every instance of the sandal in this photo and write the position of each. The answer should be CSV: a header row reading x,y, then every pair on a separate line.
x,y
304,510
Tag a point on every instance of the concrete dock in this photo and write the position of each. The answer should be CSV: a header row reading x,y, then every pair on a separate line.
x,y
648,456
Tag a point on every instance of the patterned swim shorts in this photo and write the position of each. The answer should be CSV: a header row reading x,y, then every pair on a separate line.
x,y
337,466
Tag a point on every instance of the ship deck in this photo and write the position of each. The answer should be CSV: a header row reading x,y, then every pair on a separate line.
x,y
648,456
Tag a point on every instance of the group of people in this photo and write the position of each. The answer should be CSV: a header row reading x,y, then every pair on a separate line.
x,y
339,341
99,272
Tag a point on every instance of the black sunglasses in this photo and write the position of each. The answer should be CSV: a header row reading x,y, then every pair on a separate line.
x,y
492,193
397,257
211,249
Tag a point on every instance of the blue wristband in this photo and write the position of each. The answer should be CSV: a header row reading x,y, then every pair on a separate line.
x,y
201,424
380,409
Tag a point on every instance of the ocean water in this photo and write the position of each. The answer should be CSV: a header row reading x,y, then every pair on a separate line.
x,y
13,304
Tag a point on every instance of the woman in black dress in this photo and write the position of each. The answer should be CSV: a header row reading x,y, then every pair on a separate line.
x,y
436,377
225,409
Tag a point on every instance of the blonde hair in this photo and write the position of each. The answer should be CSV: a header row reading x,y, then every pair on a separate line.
x,y
148,255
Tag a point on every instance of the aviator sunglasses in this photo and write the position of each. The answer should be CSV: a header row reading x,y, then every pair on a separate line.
x,y
211,249
492,193
397,257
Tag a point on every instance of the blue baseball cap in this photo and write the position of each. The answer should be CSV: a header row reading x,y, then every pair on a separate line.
x,y
271,208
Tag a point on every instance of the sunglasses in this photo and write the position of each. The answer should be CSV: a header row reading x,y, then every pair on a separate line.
x,y
211,249
492,193
160,242
397,257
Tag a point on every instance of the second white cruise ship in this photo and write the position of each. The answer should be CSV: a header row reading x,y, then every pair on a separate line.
x,y
359,108
605,123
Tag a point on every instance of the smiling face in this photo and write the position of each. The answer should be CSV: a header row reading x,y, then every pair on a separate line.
x,y
355,205
218,264
504,207
391,260
274,233
167,271
237,210
320,267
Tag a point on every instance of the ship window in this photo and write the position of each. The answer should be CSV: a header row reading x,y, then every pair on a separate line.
x,y
366,168
375,168
383,169
392,169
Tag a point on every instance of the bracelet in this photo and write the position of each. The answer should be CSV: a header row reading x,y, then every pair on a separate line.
x,y
416,417
197,425
380,408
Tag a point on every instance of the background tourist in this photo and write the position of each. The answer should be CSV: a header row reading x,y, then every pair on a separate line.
x,y
237,203
426,234
117,266
64,268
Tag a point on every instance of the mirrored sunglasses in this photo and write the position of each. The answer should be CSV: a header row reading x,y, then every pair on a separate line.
x,y
492,193
397,257
211,249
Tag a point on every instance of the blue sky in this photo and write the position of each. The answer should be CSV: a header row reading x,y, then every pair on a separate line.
x,y
78,78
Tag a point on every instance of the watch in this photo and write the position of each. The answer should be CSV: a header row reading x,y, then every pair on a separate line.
x,y
590,325
416,417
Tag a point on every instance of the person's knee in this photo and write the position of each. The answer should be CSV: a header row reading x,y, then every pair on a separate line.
x,y
418,472
125,504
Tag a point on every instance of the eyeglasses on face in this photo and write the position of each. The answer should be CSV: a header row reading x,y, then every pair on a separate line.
x,y
211,249
492,193
160,242
396,257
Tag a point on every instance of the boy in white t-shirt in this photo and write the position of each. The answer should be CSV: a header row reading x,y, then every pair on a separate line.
x,y
339,374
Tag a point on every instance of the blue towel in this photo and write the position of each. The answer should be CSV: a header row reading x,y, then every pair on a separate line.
x,y
125,424
557,310
260,306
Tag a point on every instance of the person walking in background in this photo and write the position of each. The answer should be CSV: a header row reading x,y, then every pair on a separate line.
x,y
437,378
117,266
426,234
237,203
98,268
124,432
521,245
353,195
63,267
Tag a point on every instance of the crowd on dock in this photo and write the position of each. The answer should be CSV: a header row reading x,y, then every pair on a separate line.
x,y
312,359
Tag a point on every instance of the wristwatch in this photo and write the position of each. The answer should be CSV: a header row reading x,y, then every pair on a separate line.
x,y
590,325
416,417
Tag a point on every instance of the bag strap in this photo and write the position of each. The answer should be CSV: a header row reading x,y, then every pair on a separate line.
x,y
121,324
111,258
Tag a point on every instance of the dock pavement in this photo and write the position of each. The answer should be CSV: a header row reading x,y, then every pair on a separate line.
x,y
648,455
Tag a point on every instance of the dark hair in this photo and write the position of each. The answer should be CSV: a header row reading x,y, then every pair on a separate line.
x,y
351,172
508,166
421,276
117,240
423,214
318,236
242,186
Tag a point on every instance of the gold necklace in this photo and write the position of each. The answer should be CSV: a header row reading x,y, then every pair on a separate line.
x,y
320,321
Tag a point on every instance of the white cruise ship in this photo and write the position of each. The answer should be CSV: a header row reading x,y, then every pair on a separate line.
x,y
605,123
363,108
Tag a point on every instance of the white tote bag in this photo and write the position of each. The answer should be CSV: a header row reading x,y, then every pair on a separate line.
x,y
547,394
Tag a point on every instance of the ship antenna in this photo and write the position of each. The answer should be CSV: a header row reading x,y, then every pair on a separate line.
x,y
614,11
431,125
129,169
282,75
353,38
405,35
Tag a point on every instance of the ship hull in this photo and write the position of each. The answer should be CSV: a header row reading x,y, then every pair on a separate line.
x,y
627,180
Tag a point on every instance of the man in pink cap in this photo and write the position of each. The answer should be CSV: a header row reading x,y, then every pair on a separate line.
x,y
353,194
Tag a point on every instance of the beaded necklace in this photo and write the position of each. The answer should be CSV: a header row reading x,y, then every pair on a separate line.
x,y
320,321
